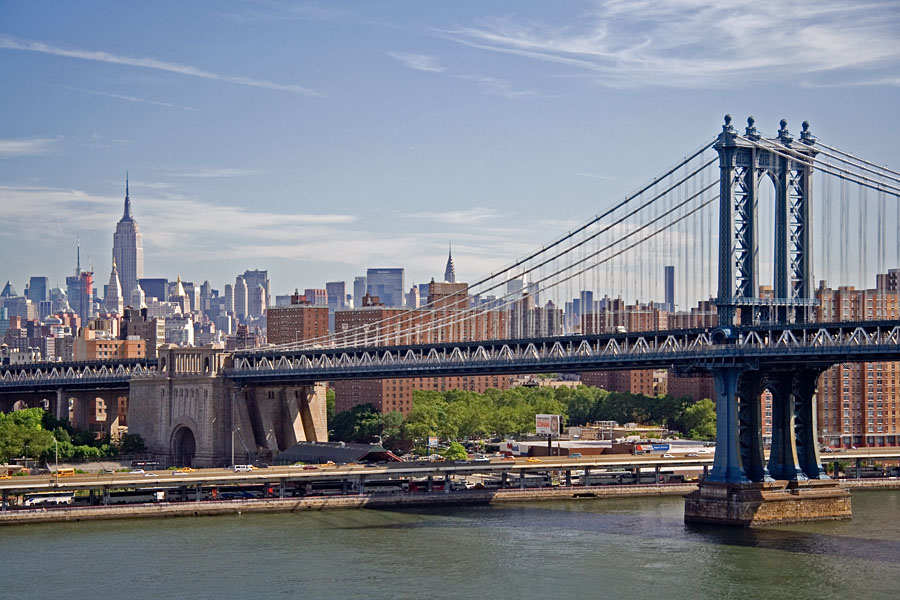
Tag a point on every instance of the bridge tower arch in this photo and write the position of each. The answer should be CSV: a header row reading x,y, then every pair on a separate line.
x,y
183,445
744,160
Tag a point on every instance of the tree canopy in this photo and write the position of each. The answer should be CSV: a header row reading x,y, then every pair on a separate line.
x,y
461,415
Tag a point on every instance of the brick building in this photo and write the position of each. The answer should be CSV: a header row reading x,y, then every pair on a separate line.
x,y
375,324
298,322
858,403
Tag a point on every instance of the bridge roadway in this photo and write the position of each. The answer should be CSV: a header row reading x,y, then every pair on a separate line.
x,y
814,344
283,474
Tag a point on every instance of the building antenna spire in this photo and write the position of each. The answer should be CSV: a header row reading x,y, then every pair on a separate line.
x,y
127,215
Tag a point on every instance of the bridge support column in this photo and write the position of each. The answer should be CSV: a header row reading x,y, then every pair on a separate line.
x,y
806,427
727,466
783,461
61,410
740,490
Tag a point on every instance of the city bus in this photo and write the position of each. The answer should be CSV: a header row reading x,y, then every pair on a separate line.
x,y
55,498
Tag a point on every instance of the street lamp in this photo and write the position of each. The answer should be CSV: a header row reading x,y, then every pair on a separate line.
x,y
56,442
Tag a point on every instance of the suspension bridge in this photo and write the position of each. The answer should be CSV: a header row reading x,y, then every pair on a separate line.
x,y
734,222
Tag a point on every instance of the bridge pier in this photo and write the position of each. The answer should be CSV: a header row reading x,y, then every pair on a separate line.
x,y
191,413
740,489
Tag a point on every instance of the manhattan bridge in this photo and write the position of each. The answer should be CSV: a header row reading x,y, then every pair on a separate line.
x,y
739,211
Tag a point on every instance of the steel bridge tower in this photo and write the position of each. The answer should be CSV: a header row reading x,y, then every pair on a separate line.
x,y
745,162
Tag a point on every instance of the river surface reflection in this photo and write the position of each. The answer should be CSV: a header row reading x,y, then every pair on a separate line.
x,y
622,548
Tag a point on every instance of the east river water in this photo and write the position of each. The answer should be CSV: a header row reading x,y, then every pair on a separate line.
x,y
635,548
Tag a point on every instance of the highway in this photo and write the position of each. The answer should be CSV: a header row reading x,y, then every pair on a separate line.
x,y
284,474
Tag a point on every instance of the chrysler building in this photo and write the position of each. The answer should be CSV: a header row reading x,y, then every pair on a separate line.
x,y
128,252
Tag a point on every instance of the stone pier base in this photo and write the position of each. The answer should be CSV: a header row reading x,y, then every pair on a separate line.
x,y
755,504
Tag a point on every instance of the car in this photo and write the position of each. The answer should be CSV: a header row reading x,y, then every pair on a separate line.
x,y
481,458
509,457
667,455
179,472
575,455
137,471
460,462
692,454
533,460
148,474
310,468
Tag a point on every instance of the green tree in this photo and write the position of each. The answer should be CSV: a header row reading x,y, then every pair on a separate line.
x,y
132,443
361,424
699,420
456,451
22,433
329,405
391,429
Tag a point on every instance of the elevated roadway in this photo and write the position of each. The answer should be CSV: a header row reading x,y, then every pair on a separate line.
x,y
298,474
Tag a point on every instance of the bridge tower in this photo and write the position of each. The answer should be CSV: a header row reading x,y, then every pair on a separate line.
x,y
744,164
736,490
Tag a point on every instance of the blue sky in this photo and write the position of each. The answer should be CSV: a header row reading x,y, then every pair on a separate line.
x,y
319,139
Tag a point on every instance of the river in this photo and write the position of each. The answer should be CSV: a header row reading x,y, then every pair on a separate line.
x,y
620,548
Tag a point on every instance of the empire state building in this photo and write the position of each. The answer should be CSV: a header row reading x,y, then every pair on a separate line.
x,y
128,252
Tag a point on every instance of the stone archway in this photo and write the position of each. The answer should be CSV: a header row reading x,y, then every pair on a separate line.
x,y
183,446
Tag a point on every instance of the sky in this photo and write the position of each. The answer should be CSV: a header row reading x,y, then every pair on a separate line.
x,y
319,139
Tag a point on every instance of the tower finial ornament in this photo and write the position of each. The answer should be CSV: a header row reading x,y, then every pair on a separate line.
x,y
450,270
127,215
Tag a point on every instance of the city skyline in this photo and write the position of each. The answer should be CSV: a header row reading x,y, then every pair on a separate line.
x,y
398,131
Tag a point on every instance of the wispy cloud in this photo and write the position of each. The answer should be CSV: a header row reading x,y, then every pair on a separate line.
x,y
280,11
419,62
83,211
596,176
217,173
12,147
498,87
455,217
128,98
692,43
11,43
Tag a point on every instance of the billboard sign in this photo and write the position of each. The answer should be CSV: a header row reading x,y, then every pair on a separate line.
x,y
546,424
432,442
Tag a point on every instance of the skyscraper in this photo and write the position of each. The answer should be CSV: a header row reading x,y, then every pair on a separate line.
x,y
670,287
80,290
241,298
255,306
128,250
336,291
113,299
387,284
450,270
359,290
38,289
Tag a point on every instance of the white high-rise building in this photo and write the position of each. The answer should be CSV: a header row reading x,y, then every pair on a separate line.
x,y
114,302
240,298
128,250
